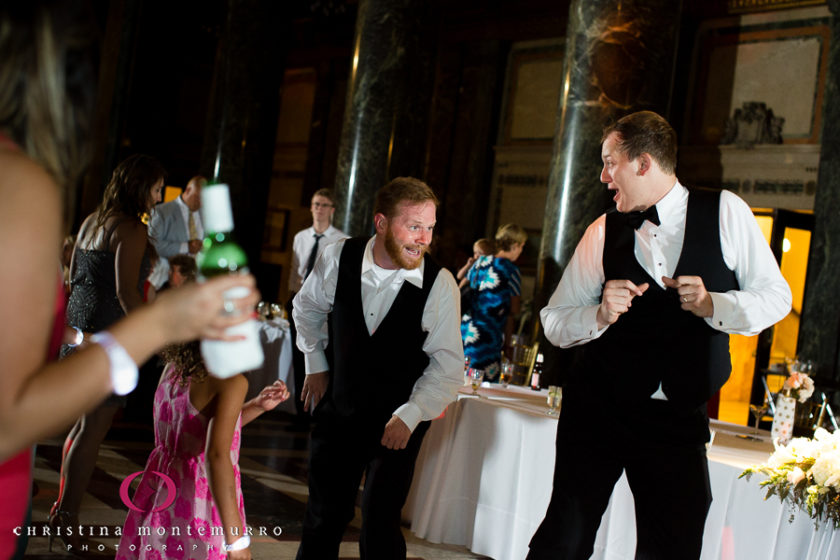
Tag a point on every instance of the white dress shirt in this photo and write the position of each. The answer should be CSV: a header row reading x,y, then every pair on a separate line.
x,y
302,247
439,383
763,299
185,212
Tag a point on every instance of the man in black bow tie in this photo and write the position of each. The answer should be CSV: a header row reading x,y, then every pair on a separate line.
x,y
649,298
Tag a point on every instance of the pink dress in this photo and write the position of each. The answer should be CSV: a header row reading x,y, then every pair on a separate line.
x,y
189,527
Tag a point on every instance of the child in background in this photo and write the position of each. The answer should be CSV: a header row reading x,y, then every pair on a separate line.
x,y
198,419
481,247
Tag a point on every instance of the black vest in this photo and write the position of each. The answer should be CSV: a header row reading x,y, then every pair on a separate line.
x,y
655,341
372,375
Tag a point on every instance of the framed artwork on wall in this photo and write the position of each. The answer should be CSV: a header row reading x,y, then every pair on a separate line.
x,y
744,6
777,63
534,80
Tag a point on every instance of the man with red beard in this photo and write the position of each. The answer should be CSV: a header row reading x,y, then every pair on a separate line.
x,y
378,322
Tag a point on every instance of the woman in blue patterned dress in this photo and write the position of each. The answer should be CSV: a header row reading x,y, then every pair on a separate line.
x,y
487,326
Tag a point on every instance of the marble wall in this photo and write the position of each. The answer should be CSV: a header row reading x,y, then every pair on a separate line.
x,y
619,59
819,335
388,95
242,119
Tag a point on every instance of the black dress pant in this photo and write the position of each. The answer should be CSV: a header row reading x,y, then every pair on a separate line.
x,y
669,481
341,451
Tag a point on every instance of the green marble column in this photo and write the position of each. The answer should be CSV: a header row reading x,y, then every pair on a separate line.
x,y
619,59
388,99
242,118
819,332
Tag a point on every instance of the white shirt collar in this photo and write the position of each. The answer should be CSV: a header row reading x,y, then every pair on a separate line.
x,y
669,205
182,203
327,232
414,276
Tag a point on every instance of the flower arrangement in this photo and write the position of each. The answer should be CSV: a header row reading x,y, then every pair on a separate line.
x,y
798,386
806,474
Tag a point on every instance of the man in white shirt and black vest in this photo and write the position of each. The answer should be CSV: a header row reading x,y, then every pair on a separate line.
x,y
308,244
650,296
379,325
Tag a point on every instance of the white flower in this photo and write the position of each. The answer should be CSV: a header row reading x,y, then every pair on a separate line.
x,y
826,470
803,448
799,386
807,389
826,442
781,456
795,476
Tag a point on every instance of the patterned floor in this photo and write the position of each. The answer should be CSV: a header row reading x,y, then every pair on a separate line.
x,y
273,465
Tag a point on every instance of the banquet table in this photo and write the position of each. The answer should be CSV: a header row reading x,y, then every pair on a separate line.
x,y
483,480
276,341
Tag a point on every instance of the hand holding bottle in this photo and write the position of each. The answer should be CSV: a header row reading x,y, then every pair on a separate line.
x,y
240,349
199,310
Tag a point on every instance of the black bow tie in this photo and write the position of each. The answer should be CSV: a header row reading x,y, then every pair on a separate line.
x,y
637,218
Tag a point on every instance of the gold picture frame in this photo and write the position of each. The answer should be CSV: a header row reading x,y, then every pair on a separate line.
x,y
745,6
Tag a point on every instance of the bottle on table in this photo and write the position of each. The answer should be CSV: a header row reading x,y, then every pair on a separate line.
x,y
219,255
537,373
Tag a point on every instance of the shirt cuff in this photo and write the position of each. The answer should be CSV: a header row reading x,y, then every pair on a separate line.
x,y
724,307
316,362
591,321
410,414
185,248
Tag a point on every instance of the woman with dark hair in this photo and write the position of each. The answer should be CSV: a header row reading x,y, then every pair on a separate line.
x,y
46,85
110,264
487,324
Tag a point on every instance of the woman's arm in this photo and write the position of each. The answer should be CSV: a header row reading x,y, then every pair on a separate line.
x,y
462,272
129,243
269,397
30,237
230,394
30,234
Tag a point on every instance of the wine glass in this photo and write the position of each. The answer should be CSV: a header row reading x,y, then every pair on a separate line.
x,y
476,376
262,310
276,311
506,373
758,412
555,395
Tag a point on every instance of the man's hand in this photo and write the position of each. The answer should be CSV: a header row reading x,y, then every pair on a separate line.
x,y
314,387
693,294
396,434
617,299
194,246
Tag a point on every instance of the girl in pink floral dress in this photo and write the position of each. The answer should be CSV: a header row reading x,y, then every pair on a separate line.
x,y
198,419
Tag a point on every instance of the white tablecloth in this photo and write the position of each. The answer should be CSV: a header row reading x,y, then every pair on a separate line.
x,y
277,346
483,480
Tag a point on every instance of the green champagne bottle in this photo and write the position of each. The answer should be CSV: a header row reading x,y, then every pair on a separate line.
x,y
220,254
